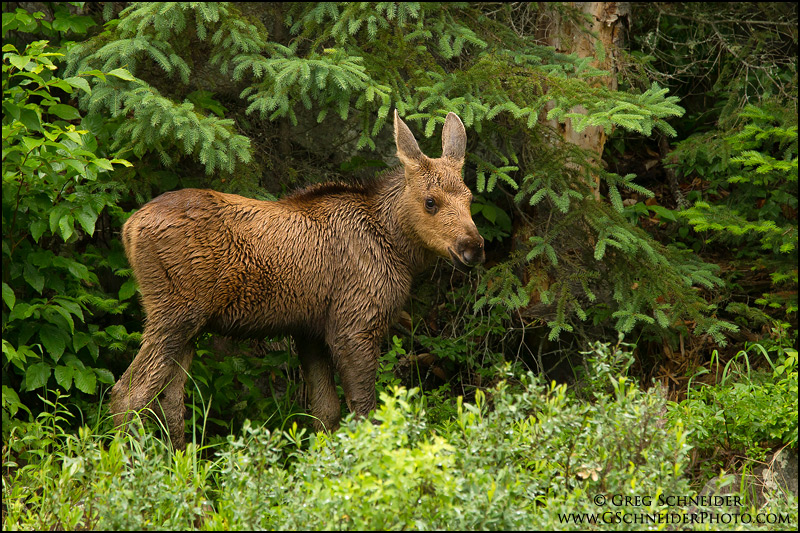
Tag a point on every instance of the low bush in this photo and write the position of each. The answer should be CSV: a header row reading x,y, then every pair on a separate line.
x,y
746,414
524,455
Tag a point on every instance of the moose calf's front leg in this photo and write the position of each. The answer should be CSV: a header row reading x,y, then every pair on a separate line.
x,y
356,359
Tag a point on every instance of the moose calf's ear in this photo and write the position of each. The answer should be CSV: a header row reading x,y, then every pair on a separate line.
x,y
454,138
407,148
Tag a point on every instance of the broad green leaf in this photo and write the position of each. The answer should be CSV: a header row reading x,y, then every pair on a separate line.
x,y
60,317
8,296
19,61
55,216
36,376
38,228
87,218
94,72
127,290
489,212
21,311
61,84
103,163
65,22
34,278
94,349
70,305
85,380
30,119
104,376
64,376
663,212
80,339
31,143
78,165
64,111
117,332
11,398
121,73
77,269
9,351
66,225
81,83
54,340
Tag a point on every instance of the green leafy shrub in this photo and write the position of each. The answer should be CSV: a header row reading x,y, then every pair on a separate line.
x,y
516,464
748,412
523,455
471,339
249,381
56,189
94,482
386,370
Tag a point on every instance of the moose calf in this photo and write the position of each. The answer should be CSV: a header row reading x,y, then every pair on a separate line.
x,y
331,265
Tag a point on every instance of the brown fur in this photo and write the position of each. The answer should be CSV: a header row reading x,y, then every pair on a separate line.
x,y
331,265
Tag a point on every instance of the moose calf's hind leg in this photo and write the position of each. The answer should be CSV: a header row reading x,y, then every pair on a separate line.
x,y
172,406
318,376
137,387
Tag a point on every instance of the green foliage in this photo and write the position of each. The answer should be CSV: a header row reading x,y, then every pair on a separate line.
x,y
55,190
228,387
516,458
142,40
87,481
63,22
499,286
499,226
718,58
472,338
735,67
758,215
749,411
387,378
640,113
591,248
520,456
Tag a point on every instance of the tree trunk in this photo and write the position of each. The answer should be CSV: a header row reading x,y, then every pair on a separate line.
x,y
577,29
605,25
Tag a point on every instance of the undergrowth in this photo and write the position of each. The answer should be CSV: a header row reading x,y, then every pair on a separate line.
x,y
524,455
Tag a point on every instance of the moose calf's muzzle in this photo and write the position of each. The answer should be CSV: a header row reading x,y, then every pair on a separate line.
x,y
468,253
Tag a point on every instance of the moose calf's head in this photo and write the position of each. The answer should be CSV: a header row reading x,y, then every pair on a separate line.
x,y
436,201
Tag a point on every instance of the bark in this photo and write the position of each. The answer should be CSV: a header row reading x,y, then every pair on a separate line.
x,y
606,23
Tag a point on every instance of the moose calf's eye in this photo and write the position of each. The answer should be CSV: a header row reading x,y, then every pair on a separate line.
x,y
430,205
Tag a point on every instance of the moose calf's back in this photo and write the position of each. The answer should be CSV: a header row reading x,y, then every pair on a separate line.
x,y
246,267
331,265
